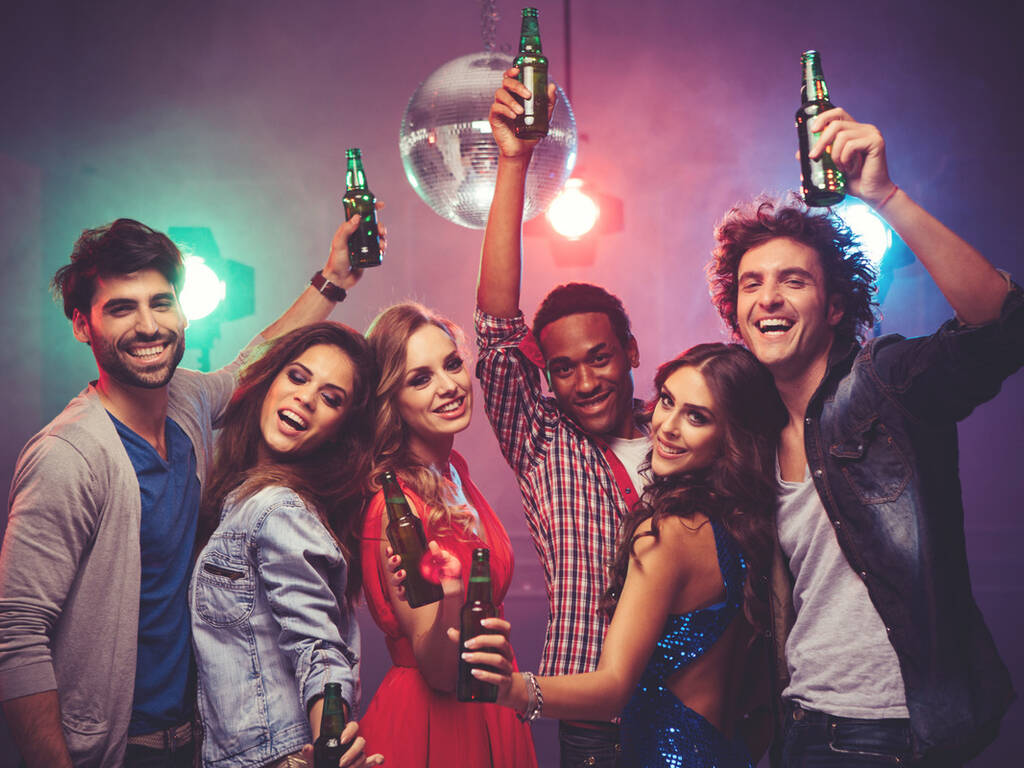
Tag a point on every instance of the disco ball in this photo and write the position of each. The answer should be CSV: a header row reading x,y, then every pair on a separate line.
x,y
449,156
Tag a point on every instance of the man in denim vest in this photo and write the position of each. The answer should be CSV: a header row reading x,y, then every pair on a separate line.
x,y
881,652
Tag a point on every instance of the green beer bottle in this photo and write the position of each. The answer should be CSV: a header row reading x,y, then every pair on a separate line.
x,y
405,532
823,183
328,748
479,605
533,73
363,244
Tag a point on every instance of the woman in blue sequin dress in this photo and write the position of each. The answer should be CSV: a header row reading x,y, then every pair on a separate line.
x,y
679,661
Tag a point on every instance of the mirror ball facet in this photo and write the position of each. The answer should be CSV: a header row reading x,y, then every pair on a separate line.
x,y
449,156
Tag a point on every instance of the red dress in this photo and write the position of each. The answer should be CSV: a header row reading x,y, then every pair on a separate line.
x,y
407,721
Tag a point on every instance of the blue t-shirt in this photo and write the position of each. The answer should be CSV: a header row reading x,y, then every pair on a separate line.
x,y
170,509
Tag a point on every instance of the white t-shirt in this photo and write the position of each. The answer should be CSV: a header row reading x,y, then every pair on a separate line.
x,y
632,453
839,656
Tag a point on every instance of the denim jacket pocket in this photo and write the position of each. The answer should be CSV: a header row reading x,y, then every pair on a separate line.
x,y
872,463
225,582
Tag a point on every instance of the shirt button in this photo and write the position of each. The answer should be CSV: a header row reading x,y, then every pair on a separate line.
x,y
864,575
836,523
818,473
807,420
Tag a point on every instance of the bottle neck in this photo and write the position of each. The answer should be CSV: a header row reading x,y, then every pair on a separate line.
x,y
354,176
813,87
530,44
395,501
332,722
529,35
479,589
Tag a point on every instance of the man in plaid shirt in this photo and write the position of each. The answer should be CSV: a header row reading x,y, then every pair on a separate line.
x,y
576,455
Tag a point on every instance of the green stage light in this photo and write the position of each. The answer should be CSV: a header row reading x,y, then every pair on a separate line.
x,y
202,291
216,289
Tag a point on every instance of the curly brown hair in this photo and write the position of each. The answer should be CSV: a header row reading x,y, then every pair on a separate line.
x,y
331,479
738,488
848,272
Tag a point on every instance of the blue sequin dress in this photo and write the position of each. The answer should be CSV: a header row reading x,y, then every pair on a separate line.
x,y
658,730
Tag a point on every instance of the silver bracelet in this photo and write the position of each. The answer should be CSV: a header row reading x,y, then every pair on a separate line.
x,y
535,700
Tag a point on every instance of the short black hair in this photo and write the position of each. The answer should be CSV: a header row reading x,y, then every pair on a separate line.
x,y
579,298
119,248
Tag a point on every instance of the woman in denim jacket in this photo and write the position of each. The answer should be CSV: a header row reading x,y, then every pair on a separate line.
x,y
273,589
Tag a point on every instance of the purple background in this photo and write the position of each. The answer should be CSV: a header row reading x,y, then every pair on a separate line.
x,y
235,114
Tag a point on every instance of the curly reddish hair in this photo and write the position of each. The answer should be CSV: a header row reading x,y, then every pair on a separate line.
x,y
848,272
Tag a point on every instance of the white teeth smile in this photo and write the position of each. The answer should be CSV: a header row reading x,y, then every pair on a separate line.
x,y
774,325
292,419
593,402
143,352
454,405
669,450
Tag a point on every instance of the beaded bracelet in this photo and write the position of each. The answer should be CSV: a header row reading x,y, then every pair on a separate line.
x,y
535,700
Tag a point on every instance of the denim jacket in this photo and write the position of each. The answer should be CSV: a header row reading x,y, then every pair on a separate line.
x,y
271,626
881,443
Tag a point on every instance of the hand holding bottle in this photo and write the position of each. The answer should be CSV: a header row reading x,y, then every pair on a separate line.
x,y
439,567
490,650
858,150
354,756
339,268
504,111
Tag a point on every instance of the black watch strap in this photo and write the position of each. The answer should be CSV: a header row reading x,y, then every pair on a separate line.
x,y
330,291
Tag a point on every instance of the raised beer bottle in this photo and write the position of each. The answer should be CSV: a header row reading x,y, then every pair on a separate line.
x,y
364,243
533,73
405,532
328,748
823,183
479,605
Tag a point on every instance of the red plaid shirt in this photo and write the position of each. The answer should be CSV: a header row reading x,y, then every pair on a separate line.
x,y
573,491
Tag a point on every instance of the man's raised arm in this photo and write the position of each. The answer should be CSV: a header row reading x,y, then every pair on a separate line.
x,y
972,286
313,305
497,291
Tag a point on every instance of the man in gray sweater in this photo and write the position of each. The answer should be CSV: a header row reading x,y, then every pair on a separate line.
x,y
95,651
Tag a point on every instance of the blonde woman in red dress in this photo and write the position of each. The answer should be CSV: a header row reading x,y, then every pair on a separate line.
x,y
425,398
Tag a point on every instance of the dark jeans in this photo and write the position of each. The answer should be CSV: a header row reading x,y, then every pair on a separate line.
x,y
144,757
582,747
818,740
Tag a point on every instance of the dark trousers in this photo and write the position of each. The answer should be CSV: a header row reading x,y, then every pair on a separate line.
x,y
145,757
583,747
817,740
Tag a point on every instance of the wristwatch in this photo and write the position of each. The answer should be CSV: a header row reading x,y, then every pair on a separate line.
x,y
330,291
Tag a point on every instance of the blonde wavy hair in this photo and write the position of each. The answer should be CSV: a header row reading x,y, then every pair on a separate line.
x,y
389,336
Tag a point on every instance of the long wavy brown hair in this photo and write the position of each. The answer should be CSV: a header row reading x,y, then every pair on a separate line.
x,y
330,479
737,489
389,336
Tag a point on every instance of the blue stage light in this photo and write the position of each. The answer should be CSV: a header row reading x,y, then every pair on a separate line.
x,y
874,234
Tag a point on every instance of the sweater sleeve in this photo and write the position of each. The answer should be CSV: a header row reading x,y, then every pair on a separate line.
x,y
53,513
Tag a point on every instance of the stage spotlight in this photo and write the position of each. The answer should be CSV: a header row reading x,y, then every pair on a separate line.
x,y
573,212
202,291
216,289
874,234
